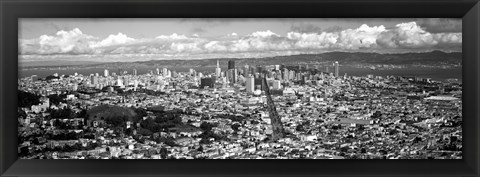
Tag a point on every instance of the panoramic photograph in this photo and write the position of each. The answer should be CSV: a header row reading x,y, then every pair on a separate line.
x,y
239,88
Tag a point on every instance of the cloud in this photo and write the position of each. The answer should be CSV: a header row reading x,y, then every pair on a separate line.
x,y
441,25
117,39
63,42
305,28
409,36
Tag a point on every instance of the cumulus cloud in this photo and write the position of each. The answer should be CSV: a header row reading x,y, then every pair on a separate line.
x,y
411,35
404,36
114,40
62,42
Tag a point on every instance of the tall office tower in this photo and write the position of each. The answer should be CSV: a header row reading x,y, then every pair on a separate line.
x,y
105,73
336,68
157,71
252,70
119,81
229,75
246,71
326,69
218,70
291,75
94,80
276,85
259,69
250,84
277,67
165,72
126,81
285,74
231,64
235,75
134,72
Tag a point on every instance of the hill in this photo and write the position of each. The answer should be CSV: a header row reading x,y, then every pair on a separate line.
x,y
109,112
346,58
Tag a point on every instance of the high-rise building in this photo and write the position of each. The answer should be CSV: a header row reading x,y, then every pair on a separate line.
x,y
218,70
250,84
285,74
105,73
231,64
157,71
326,69
119,81
165,72
277,67
34,78
276,85
259,69
336,68
134,72
246,72
94,80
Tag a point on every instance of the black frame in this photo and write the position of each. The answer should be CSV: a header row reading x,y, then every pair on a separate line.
x,y
10,10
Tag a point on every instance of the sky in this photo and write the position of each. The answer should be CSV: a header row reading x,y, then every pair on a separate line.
x,y
124,40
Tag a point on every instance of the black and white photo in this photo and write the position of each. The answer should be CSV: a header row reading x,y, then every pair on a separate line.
x,y
232,88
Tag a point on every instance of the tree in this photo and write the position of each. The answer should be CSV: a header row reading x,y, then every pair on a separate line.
x,y
205,126
163,153
26,99
147,123
235,127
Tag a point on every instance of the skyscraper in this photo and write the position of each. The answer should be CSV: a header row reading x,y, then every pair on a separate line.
x,y
218,70
134,72
165,72
231,64
336,68
94,80
105,73
246,71
250,84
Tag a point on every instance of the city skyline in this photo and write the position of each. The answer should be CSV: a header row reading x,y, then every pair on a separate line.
x,y
127,40
240,89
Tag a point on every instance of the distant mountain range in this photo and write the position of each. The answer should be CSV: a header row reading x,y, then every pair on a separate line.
x,y
344,58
